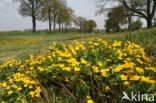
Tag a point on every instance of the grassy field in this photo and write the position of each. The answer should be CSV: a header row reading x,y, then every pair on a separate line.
x,y
18,45
54,74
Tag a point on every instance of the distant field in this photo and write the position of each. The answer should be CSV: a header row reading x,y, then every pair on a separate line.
x,y
18,45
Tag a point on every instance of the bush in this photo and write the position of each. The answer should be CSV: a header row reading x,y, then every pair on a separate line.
x,y
137,24
89,26
96,71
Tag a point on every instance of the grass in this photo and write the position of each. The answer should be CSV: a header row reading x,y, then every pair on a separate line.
x,y
18,45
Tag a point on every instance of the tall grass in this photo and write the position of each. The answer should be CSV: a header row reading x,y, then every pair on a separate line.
x,y
146,38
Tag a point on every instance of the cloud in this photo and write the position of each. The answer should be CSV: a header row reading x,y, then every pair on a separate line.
x,y
1,5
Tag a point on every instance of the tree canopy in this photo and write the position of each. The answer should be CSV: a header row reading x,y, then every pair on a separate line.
x,y
116,17
141,8
30,8
89,25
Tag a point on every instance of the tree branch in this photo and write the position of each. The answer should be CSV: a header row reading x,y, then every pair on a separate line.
x,y
134,10
153,9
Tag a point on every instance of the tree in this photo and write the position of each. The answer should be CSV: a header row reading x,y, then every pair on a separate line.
x,y
89,25
46,12
30,8
55,11
65,16
137,24
116,17
143,8
79,21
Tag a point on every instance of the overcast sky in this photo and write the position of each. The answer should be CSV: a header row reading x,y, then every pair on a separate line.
x,y
11,20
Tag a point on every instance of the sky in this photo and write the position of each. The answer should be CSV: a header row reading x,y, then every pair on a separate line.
x,y
10,19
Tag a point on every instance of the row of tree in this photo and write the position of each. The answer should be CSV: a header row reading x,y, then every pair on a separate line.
x,y
122,12
53,11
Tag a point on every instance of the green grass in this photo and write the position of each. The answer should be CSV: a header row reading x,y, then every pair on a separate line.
x,y
13,46
21,50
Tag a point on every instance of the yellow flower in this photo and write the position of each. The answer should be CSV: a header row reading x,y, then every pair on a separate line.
x,y
4,84
10,92
135,77
30,87
14,86
140,61
124,77
41,69
32,93
104,72
117,43
31,68
145,79
8,87
139,70
100,64
126,83
37,95
95,69
151,68
108,60
11,80
59,59
90,101
83,61
88,97
76,69
67,69
19,88
107,88
118,69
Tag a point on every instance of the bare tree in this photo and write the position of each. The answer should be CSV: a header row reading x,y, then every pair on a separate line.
x,y
30,8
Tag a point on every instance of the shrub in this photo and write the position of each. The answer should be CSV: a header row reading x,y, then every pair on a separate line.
x,y
137,24
89,26
96,71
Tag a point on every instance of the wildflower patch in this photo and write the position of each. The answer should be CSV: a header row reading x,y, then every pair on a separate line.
x,y
83,71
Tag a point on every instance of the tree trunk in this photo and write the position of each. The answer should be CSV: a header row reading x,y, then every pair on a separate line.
x,y
49,13
129,22
62,27
149,18
59,24
80,27
34,23
54,22
149,22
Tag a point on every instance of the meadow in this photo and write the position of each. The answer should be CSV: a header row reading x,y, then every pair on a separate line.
x,y
18,45
96,68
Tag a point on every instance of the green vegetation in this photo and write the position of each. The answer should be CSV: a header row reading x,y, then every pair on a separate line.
x,y
18,45
113,25
94,71
41,41
137,24
89,26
